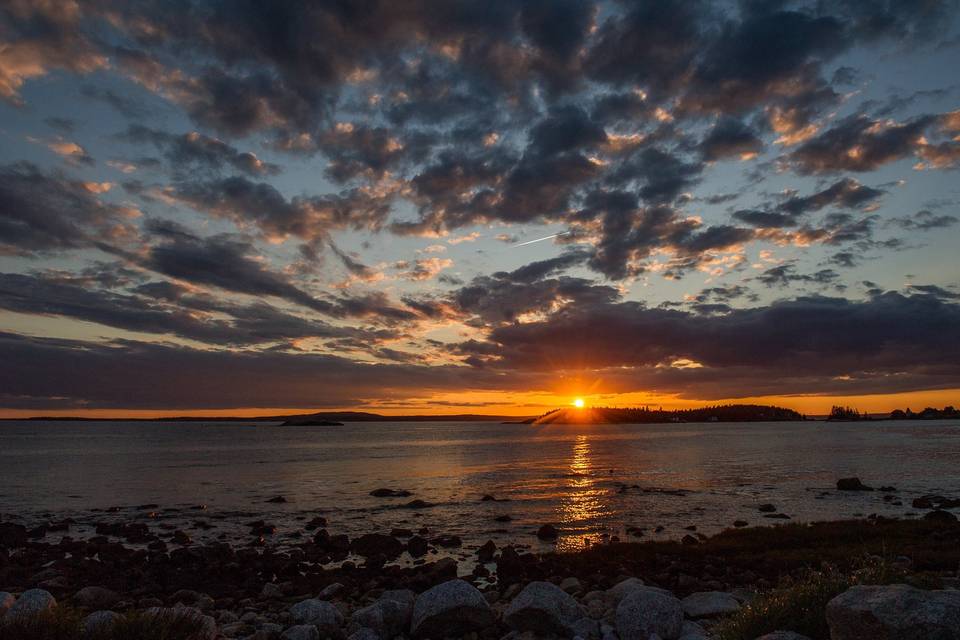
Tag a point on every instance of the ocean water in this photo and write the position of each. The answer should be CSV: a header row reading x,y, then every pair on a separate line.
x,y
573,476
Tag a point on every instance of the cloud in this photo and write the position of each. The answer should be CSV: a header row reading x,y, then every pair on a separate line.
x,y
423,268
858,143
309,218
730,137
41,212
158,307
925,220
191,151
887,343
39,37
224,261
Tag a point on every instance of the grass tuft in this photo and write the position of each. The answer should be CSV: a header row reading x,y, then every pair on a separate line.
x,y
799,605
66,623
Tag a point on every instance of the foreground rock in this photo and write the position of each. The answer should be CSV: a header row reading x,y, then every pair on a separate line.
x,y
708,604
543,607
647,611
783,635
895,612
320,613
452,608
389,616
6,601
99,619
95,598
301,632
31,603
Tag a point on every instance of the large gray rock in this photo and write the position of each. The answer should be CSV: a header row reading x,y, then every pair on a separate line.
x,y
647,611
99,619
326,617
364,634
894,612
95,598
692,631
6,601
544,608
622,588
451,608
783,635
708,604
389,616
301,632
32,602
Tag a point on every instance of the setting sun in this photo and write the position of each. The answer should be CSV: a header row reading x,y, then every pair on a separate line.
x,y
578,403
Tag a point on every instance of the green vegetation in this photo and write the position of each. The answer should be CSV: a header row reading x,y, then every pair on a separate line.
x,y
799,605
66,623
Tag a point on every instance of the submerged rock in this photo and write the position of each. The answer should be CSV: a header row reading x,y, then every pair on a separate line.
x,y
548,532
543,607
452,608
390,493
894,612
376,543
783,635
852,484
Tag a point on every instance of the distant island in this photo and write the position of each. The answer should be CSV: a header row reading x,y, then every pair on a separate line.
x,y
849,414
322,418
646,415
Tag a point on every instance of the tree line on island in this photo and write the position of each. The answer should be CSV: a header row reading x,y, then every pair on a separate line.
x,y
849,414
646,415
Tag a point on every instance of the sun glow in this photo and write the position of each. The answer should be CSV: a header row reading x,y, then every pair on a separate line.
x,y
578,403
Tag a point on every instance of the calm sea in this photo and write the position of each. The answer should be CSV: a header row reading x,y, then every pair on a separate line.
x,y
677,475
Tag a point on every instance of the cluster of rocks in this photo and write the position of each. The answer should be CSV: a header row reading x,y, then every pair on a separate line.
x,y
630,610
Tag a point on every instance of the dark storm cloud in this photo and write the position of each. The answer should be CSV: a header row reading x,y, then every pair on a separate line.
x,y
42,212
189,152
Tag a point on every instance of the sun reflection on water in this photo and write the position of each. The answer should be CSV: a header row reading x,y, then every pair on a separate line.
x,y
582,504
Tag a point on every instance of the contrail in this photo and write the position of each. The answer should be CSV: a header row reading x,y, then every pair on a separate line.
x,y
541,239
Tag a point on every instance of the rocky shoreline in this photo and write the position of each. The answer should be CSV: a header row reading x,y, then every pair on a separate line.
x,y
329,585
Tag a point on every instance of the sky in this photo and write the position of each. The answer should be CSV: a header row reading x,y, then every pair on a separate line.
x,y
246,207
